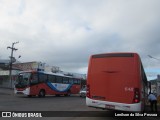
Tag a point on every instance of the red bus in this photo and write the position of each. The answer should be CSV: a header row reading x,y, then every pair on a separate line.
x,y
116,81
32,83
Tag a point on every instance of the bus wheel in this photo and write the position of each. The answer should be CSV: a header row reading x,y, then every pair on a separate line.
x,y
41,93
68,93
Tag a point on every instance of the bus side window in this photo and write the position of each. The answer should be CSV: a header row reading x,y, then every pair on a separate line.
x,y
42,77
70,81
34,79
78,82
52,78
65,80
58,79
75,81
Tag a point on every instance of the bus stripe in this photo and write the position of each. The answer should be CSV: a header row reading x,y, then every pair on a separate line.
x,y
59,87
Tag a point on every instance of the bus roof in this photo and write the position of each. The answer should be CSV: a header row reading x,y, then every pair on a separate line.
x,y
118,54
48,73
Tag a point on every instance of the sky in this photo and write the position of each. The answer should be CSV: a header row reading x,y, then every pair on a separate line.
x,y
65,33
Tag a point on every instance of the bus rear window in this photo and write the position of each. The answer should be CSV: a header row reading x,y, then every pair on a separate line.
x,y
113,55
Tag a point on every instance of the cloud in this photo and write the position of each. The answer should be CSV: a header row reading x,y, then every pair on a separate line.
x,y
65,33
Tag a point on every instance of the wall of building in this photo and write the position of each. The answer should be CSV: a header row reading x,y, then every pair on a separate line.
x,y
4,74
30,66
155,86
5,79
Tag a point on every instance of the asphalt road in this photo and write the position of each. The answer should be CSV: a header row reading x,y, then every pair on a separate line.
x,y
11,102
65,108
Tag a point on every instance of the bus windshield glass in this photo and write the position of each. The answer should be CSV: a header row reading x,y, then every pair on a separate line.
x,y
23,79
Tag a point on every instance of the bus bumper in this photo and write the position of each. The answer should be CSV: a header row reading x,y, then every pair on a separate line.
x,y
136,107
25,91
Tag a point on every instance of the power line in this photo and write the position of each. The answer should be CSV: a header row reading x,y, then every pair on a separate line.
x,y
153,57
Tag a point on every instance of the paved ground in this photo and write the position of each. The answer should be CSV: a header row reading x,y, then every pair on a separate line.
x,y
7,91
9,102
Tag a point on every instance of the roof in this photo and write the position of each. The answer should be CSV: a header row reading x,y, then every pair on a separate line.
x,y
49,73
4,61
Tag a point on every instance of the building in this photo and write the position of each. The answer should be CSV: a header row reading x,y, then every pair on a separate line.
x,y
4,76
155,86
4,64
38,66
5,79
16,68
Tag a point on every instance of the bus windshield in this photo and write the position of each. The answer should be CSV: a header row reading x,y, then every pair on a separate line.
x,y
23,79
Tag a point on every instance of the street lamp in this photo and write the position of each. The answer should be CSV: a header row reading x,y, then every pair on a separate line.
x,y
153,57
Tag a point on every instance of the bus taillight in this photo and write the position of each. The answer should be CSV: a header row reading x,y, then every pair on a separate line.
x,y
136,98
88,91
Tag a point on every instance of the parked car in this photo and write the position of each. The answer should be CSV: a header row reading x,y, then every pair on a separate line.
x,y
82,92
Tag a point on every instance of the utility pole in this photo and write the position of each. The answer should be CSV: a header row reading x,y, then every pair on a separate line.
x,y
12,59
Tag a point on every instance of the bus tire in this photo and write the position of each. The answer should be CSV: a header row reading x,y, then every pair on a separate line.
x,y
68,93
41,93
